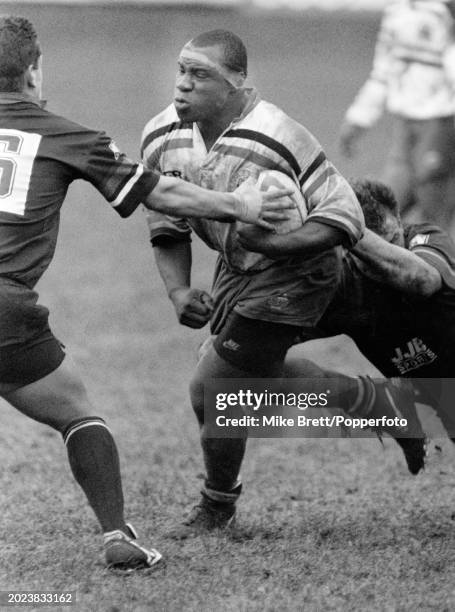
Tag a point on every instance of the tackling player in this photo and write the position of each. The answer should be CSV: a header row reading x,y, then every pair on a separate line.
x,y
397,304
216,133
413,78
397,300
40,155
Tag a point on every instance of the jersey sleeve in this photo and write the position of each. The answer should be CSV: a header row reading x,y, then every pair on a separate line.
x,y
436,247
123,182
161,226
370,102
329,197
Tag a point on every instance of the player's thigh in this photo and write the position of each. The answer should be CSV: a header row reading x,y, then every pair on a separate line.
x,y
336,354
29,351
254,346
209,368
56,399
244,348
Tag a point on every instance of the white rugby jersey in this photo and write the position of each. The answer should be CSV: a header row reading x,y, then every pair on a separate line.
x,y
263,137
413,71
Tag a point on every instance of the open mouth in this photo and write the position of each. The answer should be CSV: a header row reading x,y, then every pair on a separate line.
x,y
181,103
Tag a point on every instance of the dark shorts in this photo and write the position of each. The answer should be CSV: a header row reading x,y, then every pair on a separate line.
x,y
28,349
254,345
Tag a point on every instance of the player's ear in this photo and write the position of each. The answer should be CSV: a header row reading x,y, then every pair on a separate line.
x,y
33,75
30,77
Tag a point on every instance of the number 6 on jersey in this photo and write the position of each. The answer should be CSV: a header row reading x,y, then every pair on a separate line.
x,y
17,154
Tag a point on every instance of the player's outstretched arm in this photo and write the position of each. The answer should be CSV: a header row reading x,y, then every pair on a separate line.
x,y
247,203
396,266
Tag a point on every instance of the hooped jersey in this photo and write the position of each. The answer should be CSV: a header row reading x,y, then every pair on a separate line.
x,y
40,155
413,71
263,137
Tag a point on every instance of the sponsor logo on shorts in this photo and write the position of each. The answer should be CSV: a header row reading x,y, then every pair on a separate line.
x,y
278,302
231,345
416,355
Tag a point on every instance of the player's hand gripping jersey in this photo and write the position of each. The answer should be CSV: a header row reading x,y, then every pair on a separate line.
x,y
414,65
263,137
40,155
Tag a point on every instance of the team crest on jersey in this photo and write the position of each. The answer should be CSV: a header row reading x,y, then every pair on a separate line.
x,y
115,150
238,178
415,355
419,239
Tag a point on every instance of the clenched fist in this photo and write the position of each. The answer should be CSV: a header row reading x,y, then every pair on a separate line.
x,y
193,307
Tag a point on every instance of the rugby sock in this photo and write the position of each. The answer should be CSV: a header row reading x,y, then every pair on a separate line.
x,y
94,461
222,497
223,459
364,398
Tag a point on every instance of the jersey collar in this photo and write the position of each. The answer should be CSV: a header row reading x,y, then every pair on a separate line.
x,y
13,97
252,100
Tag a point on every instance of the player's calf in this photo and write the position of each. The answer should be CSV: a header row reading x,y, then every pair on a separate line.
x,y
94,461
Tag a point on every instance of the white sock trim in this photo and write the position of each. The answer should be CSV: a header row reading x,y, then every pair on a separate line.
x,y
82,425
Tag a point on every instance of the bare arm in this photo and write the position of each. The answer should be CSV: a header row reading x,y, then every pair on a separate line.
x,y
174,261
179,198
193,307
310,239
396,266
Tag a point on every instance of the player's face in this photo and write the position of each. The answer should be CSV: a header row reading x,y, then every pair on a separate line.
x,y
393,230
201,92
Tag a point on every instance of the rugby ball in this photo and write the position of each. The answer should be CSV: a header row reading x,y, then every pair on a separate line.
x,y
273,179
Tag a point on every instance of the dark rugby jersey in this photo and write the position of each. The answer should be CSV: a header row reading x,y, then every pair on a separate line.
x,y
401,336
40,155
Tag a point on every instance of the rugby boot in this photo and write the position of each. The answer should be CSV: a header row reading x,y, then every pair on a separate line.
x,y
124,555
391,400
208,515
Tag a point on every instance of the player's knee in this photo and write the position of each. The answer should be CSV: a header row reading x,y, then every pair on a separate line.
x,y
67,401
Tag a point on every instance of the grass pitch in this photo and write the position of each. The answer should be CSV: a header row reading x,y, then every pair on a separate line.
x,y
324,524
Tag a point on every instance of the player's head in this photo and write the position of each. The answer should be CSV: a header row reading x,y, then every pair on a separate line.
x,y
212,68
20,56
380,209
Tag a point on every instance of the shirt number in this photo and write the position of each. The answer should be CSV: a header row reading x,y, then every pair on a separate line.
x,y
17,154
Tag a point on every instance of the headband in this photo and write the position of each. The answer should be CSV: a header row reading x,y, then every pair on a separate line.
x,y
233,77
